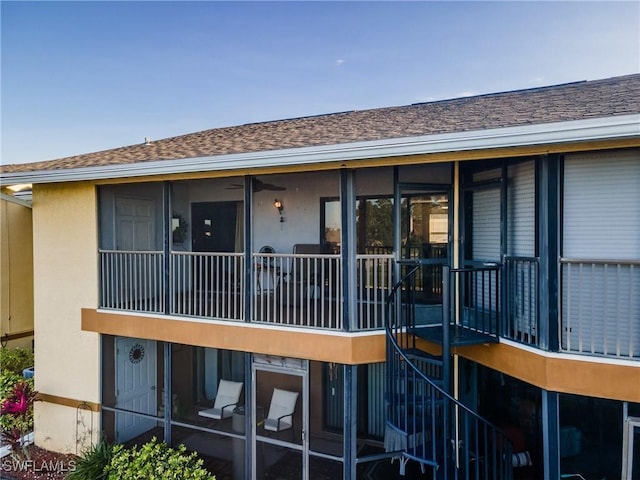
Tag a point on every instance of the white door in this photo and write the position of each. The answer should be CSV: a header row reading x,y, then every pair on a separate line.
x,y
631,449
134,224
135,386
135,232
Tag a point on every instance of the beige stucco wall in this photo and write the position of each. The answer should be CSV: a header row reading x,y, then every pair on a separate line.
x,y
16,273
65,280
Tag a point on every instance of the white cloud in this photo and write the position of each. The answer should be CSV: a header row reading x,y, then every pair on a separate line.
x,y
339,62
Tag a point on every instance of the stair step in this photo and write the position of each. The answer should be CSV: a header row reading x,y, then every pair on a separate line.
x,y
459,335
416,353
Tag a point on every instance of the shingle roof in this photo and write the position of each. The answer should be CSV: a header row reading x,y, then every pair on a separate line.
x,y
566,102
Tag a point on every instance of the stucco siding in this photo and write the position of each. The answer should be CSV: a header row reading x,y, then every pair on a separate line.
x,y
65,280
16,275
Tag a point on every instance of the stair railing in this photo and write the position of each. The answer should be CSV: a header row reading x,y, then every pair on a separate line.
x,y
424,422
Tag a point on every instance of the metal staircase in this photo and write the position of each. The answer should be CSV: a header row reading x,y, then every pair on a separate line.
x,y
425,423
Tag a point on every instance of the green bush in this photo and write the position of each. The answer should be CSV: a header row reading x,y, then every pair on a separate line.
x,y
155,461
12,363
8,382
91,465
16,359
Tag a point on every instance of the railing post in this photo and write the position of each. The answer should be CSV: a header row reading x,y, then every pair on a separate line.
x,y
446,321
166,278
248,273
348,248
549,253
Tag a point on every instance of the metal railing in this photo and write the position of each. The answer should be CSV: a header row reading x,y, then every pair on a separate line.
x,y
476,297
298,290
208,285
373,283
521,319
600,307
424,422
132,280
288,289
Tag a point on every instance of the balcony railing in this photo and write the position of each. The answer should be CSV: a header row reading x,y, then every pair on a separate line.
x,y
521,300
132,280
306,290
207,285
289,289
476,296
599,300
374,282
600,307
298,290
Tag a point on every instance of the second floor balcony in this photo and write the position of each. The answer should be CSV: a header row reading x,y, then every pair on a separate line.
x,y
298,289
596,304
180,249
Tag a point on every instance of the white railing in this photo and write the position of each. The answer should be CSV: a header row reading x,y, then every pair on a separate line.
x,y
298,290
132,280
521,300
208,285
289,289
306,290
374,282
600,307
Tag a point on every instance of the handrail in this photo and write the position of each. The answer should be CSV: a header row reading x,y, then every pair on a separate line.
x,y
436,428
600,261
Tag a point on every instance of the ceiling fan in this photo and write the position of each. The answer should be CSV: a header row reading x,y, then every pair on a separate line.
x,y
440,202
258,186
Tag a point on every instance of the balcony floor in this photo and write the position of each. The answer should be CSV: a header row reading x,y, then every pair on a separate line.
x,y
460,335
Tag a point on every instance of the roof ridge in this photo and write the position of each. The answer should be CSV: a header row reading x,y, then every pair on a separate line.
x,y
531,89
578,100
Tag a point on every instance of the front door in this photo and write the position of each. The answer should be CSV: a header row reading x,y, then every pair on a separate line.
x,y
214,226
280,400
424,235
135,386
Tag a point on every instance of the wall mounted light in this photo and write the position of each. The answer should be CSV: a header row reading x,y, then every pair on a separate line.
x,y
278,204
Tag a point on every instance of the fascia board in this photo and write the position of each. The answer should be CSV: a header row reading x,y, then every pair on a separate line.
x,y
616,127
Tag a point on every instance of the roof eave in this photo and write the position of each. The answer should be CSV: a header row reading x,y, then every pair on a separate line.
x,y
605,128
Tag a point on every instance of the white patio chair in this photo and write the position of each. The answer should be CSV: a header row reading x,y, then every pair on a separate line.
x,y
281,410
227,398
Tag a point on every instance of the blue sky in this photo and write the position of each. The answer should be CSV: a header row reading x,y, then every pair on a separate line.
x,y
79,77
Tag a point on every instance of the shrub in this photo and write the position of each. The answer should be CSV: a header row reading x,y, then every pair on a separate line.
x,y
91,465
15,360
8,382
155,461
16,416
16,395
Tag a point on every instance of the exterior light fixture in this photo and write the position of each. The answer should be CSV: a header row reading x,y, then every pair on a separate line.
x,y
278,204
